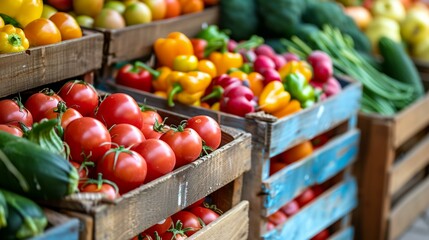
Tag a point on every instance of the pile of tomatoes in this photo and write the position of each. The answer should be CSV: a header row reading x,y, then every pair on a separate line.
x,y
184,223
116,144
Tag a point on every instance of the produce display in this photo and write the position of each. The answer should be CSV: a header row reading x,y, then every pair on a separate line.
x,y
215,72
184,223
26,24
115,14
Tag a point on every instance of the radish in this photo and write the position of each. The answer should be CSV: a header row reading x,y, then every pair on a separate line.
x,y
322,66
248,55
231,45
263,62
318,56
290,57
270,75
279,61
332,87
290,208
265,50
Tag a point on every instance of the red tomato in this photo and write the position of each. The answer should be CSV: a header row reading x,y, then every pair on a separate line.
x,y
160,227
87,137
14,130
277,218
39,103
170,236
290,208
159,156
206,215
126,168
186,144
189,220
83,173
207,128
68,116
119,108
198,203
305,197
80,96
105,188
150,132
322,235
13,112
126,135
150,117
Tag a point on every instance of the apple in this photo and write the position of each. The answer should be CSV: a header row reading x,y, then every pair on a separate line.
x,y
420,50
137,13
158,8
85,21
382,26
48,11
392,9
115,5
109,19
61,5
90,8
415,26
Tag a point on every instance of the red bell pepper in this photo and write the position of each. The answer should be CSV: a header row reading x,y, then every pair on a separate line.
x,y
237,100
217,86
199,47
134,76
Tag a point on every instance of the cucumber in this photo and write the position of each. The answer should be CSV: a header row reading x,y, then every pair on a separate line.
x,y
34,172
25,219
398,65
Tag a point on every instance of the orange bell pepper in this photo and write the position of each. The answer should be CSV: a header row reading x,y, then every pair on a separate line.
x,y
226,60
167,49
208,67
256,83
273,97
292,107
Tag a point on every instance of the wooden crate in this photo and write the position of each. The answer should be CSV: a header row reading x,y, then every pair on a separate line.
x,y
423,68
141,208
136,41
60,227
271,136
394,185
51,63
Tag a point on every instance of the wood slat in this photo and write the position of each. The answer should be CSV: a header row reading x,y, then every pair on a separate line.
x,y
136,41
413,162
410,121
51,63
332,205
323,164
408,209
234,224
345,234
64,227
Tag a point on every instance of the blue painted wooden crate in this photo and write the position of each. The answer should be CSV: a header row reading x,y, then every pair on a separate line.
x,y
320,214
345,234
62,227
323,164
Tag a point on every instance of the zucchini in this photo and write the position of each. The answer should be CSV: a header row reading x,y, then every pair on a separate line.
x,y
3,211
25,218
398,65
34,172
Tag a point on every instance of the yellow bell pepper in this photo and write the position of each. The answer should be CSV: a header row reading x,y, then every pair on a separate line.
x,y
256,83
166,49
188,88
1,22
161,94
12,40
274,97
297,67
185,63
225,61
292,107
208,67
21,11
238,74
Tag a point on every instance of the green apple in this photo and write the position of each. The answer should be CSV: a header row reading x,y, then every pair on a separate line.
x,y
115,5
48,11
415,27
137,13
389,8
109,19
85,21
382,26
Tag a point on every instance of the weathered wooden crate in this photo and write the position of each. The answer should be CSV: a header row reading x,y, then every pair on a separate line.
x,y
51,63
60,227
393,162
141,208
136,41
423,68
271,136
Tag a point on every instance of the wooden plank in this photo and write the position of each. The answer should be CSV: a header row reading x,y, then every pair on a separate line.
x,y
413,162
139,209
408,209
228,196
309,123
375,157
136,41
345,234
411,120
324,163
51,63
321,213
233,224
63,227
